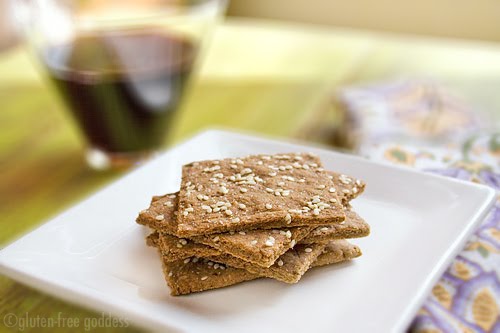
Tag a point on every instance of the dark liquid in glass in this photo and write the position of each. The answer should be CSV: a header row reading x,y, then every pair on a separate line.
x,y
122,87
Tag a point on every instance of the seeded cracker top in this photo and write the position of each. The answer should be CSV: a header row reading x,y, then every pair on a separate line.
x,y
261,191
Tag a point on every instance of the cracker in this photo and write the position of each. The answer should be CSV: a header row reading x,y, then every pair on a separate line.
x,y
258,247
261,247
288,268
256,192
347,189
161,214
188,276
185,277
353,227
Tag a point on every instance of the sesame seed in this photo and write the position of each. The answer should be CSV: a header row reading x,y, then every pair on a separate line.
x,y
288,234
203,278
292,243
316,200
195,259
246,171
298,158
242,233
216,210
305,167
243,190
288,167
216,266
185,213
254,242
277,193
286,193
228,212
233,166
324,229
220,203
316,211
259,162
330,177
170,273
354,190
183,241
308,250
358,182
270,190
190,209
302,180
219,175
160,217
168,204
272,174
236,220
179,245
242,206
270,241
223,190
267,158
281,183
346,191
215,239
280,262
321,186
333,200
332,190
269,206
288,218
187,260
282,168
210,263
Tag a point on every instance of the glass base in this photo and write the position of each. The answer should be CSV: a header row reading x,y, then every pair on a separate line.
x,y
101,160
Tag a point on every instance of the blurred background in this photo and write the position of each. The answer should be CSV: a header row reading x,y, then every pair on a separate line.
x,y
352,75
338,73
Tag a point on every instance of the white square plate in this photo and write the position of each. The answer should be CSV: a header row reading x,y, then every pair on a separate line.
x,y
95,255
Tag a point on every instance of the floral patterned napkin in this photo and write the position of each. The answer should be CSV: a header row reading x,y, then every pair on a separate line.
x,y
419,124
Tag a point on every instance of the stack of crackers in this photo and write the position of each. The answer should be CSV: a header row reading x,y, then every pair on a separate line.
x,y
235,220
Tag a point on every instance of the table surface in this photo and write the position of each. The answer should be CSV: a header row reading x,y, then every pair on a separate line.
x,y
261,76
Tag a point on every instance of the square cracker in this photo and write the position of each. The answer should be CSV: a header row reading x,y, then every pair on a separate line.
x,y
185,277
260,247
256,192
288,268
347,189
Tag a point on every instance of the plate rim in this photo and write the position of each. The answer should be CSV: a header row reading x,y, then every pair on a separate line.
x,y
93,301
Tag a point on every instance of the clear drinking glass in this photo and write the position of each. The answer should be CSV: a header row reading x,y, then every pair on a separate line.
x,y
121,66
